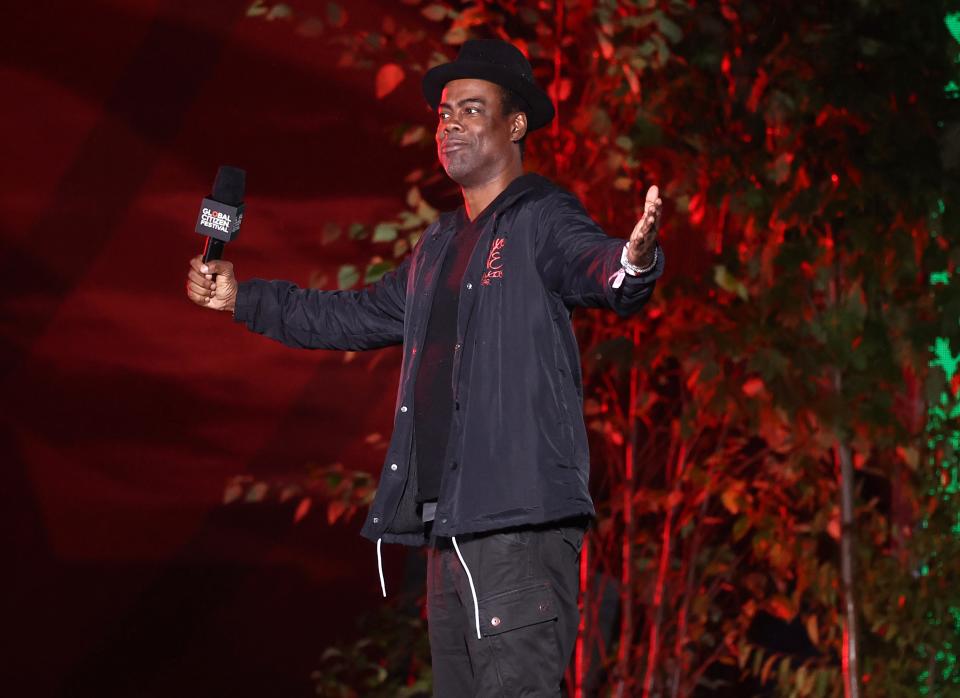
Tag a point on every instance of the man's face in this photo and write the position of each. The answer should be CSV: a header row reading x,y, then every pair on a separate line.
x,y
473,136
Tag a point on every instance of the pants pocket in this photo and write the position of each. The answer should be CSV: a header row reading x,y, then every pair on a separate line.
x,y
517,537
573,536
523,656
517,608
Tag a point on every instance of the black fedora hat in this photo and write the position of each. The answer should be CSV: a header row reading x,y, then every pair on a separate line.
x,y
498,62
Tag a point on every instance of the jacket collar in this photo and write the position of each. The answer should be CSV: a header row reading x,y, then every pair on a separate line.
x,y
521,187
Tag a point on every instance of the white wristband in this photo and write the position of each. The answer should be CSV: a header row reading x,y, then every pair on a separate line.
x,y
633,269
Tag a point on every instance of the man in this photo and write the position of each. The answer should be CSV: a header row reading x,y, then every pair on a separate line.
x,y
488,463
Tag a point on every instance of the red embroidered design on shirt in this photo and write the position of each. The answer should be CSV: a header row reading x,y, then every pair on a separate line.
x,y
494,263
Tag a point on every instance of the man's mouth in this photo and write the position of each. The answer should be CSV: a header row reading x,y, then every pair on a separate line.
x,y
451,145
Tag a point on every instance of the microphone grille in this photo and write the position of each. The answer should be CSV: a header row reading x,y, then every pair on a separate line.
x,y
229,185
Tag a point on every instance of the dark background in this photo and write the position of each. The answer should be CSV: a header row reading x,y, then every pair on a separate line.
x,y
126,408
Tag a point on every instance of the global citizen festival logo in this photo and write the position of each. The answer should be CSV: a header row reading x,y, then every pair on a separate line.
x,y
216,220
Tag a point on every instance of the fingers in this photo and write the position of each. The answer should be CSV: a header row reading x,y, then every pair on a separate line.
x,y
217,266
643,238
214,266
198,294
652,206
650,220
644,233
653,195
653,219
202,280
201,286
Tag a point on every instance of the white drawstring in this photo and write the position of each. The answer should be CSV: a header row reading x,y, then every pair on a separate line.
x,y
473,590
383,585
476,606
616,279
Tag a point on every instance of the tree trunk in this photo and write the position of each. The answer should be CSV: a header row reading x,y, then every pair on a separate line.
x,y
579,654
629,530
653,643
851,660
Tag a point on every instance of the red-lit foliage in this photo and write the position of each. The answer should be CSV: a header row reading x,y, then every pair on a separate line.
x,y
804,152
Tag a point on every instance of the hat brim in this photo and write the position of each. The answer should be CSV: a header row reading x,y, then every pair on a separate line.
x,y
541,110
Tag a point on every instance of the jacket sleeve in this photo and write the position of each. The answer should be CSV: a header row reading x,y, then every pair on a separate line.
x,y
313,319
579,261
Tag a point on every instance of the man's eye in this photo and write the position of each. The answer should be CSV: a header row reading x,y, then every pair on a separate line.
x,y
471,110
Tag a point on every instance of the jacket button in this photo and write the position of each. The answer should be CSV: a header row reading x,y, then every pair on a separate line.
x,y
376,520
469,286
453,466
393,466
443,521
458,346
403,408
495,621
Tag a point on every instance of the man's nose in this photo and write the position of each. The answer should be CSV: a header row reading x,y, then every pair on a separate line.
x,y
452,125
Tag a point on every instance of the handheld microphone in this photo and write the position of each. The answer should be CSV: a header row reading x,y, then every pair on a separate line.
x,y
221,213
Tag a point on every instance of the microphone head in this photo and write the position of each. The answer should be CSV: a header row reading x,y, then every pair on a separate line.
x,y
221,213
229,185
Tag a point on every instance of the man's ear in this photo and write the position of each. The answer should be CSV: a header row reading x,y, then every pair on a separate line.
x,y
518,127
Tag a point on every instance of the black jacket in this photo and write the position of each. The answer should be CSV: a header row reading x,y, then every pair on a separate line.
x,y
518,445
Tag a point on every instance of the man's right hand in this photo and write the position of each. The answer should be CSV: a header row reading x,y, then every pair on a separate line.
x,y
218,293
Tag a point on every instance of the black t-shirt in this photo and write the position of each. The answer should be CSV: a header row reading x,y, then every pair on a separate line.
x,y
433,389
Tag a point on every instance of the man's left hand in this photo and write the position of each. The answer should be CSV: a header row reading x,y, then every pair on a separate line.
x,y
643,239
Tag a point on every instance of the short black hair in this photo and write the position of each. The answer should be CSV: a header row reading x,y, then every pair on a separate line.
x,y
511,103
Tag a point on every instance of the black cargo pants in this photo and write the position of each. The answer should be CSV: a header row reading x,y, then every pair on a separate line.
x,y
526,582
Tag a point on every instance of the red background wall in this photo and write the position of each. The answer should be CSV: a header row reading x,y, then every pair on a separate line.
x,y
126,408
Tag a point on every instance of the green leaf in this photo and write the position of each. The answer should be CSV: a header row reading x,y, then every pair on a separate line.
x,y
529,15
330,653
375,271
725,280
740,527
410,220
414,197
427,212
258,492
645,132
456,36
414,134
280,11
348,276
336,14
331,231
385,232
669,28
435,13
